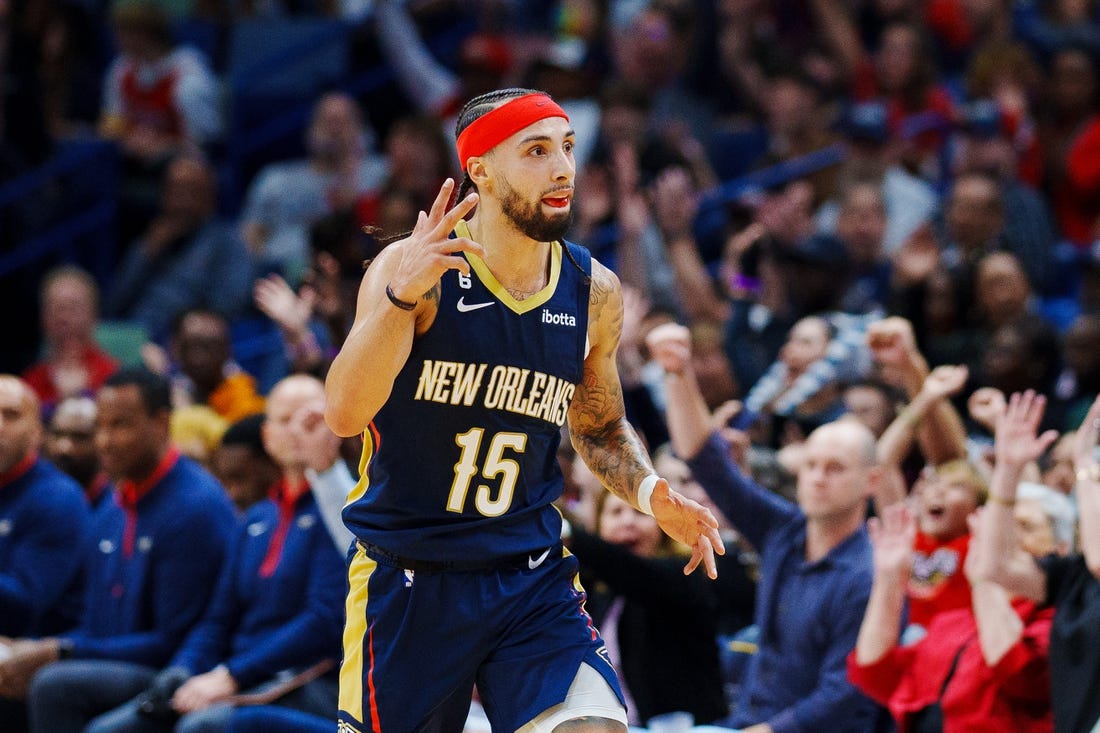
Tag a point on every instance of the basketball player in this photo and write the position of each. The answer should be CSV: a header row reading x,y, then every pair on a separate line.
x,y
467,354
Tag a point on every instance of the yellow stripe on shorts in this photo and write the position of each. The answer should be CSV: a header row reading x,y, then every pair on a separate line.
x,y
355,633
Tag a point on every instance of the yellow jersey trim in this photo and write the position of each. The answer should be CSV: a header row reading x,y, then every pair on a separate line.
x,y
371,440
486,276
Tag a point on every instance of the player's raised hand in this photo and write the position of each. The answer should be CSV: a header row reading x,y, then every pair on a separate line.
x,y
428,251
689,523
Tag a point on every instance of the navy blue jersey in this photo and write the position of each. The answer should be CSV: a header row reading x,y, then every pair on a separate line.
x,y
461,461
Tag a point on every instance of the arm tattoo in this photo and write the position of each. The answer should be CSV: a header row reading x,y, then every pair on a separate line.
x,y
433,293
616,456
597,418
600,293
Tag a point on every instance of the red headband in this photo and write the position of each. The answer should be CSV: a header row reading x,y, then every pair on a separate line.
x,y
496,126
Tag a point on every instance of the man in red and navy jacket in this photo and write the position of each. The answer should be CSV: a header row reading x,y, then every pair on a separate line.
x,y
277,611
150,565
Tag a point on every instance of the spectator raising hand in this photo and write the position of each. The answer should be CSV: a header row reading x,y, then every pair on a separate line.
x,y
632,217
999,628
939,430
676,204
1017,444
894,348
942,382
917,259
293,313
892,536
278,301
987,406
670,346
946,681
689,424
1002,559
1084,443
798,679
1070,584
738,440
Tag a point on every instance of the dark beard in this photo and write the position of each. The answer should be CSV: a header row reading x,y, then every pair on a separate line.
x,y
529,219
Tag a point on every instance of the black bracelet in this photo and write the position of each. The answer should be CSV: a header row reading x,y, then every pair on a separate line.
x,y
403,305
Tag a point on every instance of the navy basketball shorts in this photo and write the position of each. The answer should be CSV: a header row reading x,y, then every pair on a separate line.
x,y
416,642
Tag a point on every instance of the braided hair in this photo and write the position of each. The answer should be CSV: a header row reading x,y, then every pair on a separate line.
x,y
478,106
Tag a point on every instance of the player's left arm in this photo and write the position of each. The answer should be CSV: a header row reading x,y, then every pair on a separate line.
x,y
609,445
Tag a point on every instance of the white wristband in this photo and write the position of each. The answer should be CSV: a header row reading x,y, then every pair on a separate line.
x,y
645,493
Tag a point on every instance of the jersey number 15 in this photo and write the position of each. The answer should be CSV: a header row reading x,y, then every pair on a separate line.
x,y
495,465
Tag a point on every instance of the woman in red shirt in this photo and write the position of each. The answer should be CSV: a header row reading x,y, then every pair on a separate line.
x,y
985,666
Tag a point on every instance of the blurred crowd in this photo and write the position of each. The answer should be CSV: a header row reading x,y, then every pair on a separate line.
x,y
860,250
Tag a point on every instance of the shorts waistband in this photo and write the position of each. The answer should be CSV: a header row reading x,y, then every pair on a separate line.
x,y
521,561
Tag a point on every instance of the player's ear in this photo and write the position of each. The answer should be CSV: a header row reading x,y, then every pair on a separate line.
x,y
478,172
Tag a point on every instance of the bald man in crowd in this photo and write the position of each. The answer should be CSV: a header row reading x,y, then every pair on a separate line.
x,y
815,558
44,521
